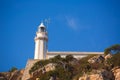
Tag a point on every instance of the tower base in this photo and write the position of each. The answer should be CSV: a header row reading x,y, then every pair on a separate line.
x,y
29,64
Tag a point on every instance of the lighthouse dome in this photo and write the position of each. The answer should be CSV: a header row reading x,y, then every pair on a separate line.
x,y
41,28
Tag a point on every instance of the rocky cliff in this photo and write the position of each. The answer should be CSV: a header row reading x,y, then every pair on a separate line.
x,y
92,67
15,75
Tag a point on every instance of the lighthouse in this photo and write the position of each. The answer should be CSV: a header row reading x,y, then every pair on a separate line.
x,y
41,39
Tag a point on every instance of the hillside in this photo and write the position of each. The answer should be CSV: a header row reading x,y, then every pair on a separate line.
x,y
92,67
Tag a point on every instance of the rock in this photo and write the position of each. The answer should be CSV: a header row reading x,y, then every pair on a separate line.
x,y
74,61
51,78
91,77
2,78
5,75
108,56
43,70
96,59
116,72
16,75
49,67
107,75
37,79
98,75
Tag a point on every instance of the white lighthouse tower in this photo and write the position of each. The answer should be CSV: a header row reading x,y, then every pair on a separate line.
x,y
41,42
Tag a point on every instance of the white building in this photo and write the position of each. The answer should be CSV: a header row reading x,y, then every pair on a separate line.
x,y
41,51
41,42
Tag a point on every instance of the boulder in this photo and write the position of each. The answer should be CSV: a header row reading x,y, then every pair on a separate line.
x,y
98,75
49,67
91,77
108,56
43,70
116,72
96,59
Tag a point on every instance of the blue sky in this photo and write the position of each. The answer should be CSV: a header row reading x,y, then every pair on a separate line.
x,y
75,25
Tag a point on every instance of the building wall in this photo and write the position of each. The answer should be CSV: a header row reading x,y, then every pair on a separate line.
x,y
37,47
75,54
29,64
40,45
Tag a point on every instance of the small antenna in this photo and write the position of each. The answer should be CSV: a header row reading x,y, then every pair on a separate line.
x,y
47,21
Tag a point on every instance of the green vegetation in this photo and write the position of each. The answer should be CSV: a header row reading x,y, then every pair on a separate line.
x,y
83,67
13,69
115,60
38,65
64,69
112,49
69,68
42,63
59,73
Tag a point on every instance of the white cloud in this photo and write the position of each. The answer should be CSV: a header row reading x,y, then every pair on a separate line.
x,y
72,22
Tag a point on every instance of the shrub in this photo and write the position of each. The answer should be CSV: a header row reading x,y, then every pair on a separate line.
x,y
13,69
69,58
112,49
42,63
115,60
38,65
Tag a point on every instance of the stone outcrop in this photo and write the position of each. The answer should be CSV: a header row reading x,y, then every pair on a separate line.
x,y
29,64
91,77
98,75
104,72
15,75
46,68
108,56
96,59
5,75
116,72
50,67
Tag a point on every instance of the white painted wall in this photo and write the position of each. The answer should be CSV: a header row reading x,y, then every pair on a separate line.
x,y
40,45
37,47
41,52
75,54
